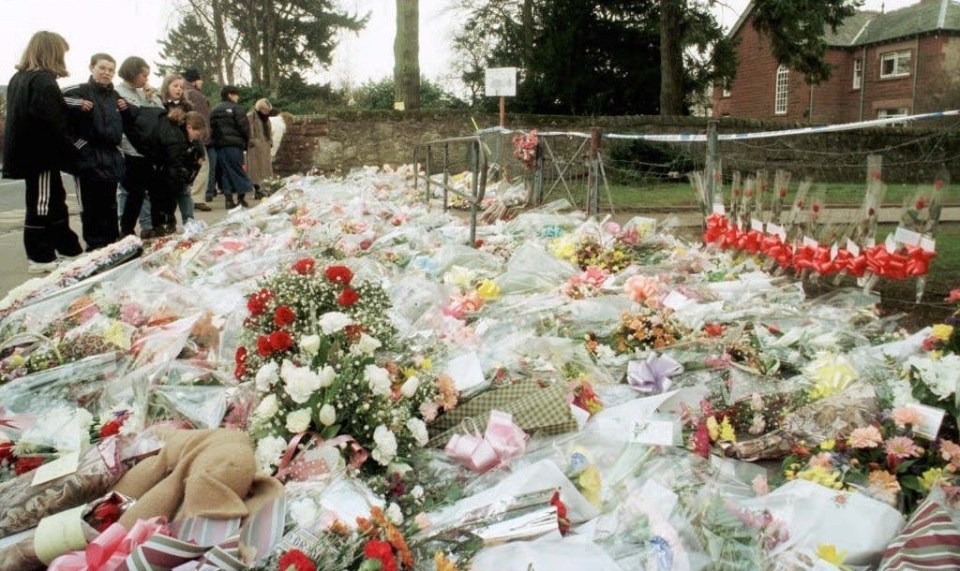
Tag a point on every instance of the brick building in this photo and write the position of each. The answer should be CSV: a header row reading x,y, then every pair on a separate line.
x,y
902,62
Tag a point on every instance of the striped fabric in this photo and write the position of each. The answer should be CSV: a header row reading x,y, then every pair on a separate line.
x,y
931,540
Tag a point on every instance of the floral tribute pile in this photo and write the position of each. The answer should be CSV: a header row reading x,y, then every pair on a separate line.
x,y
561,392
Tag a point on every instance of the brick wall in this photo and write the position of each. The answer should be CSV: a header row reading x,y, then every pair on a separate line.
x,y
933,83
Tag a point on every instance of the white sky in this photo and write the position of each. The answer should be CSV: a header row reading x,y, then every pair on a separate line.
x,y
133,27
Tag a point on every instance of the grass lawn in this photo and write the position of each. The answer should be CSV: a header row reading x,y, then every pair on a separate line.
x,y
681,194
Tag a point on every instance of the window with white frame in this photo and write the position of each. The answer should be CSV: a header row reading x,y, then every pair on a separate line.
x,y
892,112
783,88
857,73
895,64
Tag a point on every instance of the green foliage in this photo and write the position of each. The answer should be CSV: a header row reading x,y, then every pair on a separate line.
x,y
190,45
583,57
380,95
796,31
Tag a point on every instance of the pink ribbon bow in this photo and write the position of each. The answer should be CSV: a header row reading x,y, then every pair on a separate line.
x,y
109,550
502,441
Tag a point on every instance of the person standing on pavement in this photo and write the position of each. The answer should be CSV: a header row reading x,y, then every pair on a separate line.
x,y
37,145
172,95
230,132
139,179
94,116
207,177
259,157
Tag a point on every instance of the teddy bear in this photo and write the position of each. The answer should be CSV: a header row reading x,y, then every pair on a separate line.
x,y
210,473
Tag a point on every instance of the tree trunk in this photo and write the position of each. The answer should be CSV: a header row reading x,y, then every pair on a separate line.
x,y
671,57
406,56
224,60
528,31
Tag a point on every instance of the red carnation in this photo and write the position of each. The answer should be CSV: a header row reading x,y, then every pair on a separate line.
x,y
6,451
264,348
347,297
26,464
562,520
921,203
713,329
105,515
376,549
284,316
295,560
257,303
281,340
339,274
353,331
305,266
240,357
111,428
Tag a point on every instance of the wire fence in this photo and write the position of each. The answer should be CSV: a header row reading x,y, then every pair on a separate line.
x,y
528,167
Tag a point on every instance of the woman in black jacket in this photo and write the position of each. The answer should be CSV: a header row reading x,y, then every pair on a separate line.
x,y
95,108
36,145
230,134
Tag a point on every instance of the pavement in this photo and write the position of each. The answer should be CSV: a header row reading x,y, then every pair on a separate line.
x,y
13,260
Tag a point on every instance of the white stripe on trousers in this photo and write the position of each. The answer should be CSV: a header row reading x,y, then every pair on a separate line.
x,y
43,194
76,179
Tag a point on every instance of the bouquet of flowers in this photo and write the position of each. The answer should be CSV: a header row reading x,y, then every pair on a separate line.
x,y
525,148
886,460
311,345
642,330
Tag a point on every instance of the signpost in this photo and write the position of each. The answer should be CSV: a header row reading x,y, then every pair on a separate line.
x,y
501,81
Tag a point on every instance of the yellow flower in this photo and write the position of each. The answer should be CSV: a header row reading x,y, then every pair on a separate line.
x,y
830,374
828,445
713,429
117,335
830,554
822,476
727,433
589,484
564,248
17,361
442,563
931,478
426,364
488,289
942,331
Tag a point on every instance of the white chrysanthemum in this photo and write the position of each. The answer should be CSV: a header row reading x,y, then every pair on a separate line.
x,y
299,382
333,322
267,408
267,376
418,429
310,344
327,375
386,445
417,492
378,378
269,451
298,420
328,414
365,346
409,387
942,376
393,513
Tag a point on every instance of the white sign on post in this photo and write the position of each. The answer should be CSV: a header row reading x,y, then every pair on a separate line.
x,y
500,81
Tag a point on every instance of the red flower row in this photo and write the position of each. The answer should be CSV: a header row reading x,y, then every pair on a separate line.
x,y
910,261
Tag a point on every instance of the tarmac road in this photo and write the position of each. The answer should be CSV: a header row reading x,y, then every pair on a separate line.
x,y
13,260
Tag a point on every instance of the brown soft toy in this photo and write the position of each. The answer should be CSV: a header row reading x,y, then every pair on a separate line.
x,y
210,473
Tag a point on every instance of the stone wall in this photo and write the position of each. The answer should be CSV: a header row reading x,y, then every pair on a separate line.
x,y
343,140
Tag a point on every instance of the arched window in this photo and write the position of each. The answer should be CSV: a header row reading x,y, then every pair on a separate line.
x,y
783,88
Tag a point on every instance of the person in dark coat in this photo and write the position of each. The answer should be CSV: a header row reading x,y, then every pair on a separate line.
x,y
206,180
37,145
230,132
95,116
